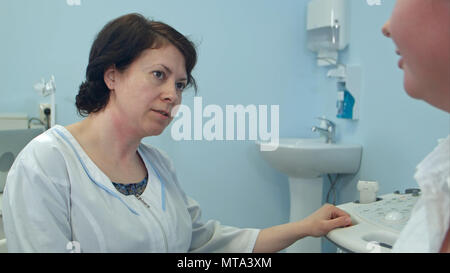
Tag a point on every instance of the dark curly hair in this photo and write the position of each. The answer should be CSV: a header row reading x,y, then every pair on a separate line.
x,y
119,43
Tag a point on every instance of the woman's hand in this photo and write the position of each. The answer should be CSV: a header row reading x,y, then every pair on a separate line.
x,y
325,219
319,223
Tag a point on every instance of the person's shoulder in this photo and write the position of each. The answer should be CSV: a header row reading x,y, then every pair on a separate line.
x,y
40,163
41,146
436,163
42,152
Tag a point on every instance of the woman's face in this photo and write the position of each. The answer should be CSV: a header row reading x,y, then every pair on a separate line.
x,y
143,96
420,29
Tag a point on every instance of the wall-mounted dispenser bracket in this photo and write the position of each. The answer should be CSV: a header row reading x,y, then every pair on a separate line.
x,y
352,76
340,72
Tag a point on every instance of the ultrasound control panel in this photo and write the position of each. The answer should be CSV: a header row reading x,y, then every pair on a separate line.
x,y
376,225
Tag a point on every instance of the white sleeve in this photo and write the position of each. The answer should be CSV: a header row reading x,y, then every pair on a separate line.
x,y
416,227
36,203
214,237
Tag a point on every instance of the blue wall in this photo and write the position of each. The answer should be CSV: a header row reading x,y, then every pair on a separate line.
x,y
250,52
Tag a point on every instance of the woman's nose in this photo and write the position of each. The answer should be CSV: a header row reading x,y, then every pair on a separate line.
x,y
170,94
385,29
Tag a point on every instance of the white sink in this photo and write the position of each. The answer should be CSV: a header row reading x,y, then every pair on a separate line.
x,y
310,158
304,161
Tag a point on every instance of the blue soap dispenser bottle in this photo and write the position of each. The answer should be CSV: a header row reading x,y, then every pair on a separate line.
x,y
345,102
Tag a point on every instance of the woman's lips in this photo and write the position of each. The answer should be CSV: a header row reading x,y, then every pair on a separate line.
x,y
162,114
400,62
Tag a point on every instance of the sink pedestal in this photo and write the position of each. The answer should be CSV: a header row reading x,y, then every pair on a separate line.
x,y
306,198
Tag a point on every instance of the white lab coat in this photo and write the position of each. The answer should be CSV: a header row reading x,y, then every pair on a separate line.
x,y
430,218
57,200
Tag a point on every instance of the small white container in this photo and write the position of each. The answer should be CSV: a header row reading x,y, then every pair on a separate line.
x,y
367,191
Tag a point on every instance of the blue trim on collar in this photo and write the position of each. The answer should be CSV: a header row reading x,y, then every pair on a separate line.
x,y
90,177
163,189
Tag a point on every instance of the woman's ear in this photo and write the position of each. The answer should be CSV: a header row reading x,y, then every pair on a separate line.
x,y
109,77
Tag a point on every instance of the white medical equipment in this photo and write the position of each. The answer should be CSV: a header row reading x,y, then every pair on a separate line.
x,y
48,89
376,225
327,29
11,143
13,121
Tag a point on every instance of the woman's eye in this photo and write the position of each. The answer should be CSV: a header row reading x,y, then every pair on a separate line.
x,y
180,86
158,74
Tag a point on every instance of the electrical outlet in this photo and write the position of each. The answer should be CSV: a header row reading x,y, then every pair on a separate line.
x,y
42,116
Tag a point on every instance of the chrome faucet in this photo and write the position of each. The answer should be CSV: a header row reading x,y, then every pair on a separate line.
x,y
327,128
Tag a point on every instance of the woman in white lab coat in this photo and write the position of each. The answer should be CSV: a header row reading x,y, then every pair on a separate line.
x,y
94,187
420,29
